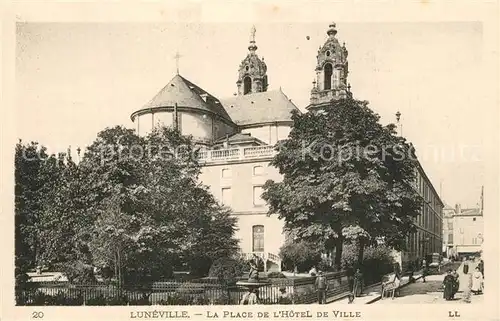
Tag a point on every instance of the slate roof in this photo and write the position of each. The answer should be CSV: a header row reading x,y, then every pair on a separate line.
x,y
263,107
186,94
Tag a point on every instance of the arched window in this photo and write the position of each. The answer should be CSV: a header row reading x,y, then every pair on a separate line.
x,y
328,70
247,85
258,238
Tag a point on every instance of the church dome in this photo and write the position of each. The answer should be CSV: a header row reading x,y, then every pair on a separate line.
x,y
189,108
184,93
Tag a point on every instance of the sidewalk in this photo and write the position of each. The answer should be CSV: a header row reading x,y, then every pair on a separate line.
x,y
372,293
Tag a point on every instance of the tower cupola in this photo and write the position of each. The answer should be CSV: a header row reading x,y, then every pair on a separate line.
x,y
252,77
331,70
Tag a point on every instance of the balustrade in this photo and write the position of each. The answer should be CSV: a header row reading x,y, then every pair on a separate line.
x,y
241,153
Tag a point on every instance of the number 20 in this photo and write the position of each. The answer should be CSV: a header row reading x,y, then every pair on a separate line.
x,y
37,315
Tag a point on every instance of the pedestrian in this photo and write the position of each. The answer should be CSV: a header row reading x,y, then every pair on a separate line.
x,y
313,271
251,297
477,281
284,297
411,278
321,285
456,283
424,270
466,266
468,287
358,283
481,267
448,285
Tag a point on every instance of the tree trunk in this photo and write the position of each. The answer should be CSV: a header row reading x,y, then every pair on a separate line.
x,y
338,253
361,250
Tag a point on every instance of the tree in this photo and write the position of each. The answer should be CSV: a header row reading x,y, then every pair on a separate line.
x,y
300,255
345,178
36,174
149,210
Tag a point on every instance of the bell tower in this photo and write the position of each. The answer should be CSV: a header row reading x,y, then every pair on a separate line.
x,y
252,77
331,71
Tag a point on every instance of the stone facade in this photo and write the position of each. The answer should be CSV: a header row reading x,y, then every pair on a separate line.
x,y
463,231
428,239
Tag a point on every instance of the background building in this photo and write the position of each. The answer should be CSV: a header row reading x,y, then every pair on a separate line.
x,y
464,230
240,133
428,238
448,213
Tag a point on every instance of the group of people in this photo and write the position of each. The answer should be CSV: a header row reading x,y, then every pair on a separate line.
x,y
465,280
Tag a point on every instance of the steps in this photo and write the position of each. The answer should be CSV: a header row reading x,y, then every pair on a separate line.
x,y
272,262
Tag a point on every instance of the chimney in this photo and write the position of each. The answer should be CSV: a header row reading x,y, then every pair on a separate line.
x,y
458,208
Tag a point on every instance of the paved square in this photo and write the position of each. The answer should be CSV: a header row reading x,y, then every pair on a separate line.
x,y
427,293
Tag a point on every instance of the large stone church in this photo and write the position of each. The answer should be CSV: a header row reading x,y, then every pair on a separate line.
x,y
240,132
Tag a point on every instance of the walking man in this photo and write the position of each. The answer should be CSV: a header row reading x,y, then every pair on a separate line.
x,y
321,285
424,270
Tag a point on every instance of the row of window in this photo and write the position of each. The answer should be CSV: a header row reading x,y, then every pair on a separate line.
x,y
227,196
257,171
474,240
427,193
423,243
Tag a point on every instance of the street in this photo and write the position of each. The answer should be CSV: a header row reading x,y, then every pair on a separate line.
x,y
428,292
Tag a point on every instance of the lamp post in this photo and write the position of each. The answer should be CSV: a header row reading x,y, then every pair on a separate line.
x,y
425,240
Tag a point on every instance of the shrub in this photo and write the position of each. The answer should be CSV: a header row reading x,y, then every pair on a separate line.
x,y
377,261
302,255
227,269
325,265
78,272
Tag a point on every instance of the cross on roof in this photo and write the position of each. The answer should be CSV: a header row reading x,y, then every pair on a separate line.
x,y
177,57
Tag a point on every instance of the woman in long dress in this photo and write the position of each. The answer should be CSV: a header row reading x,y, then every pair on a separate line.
x,y
464,273
449,284
468,287
477,281
456,283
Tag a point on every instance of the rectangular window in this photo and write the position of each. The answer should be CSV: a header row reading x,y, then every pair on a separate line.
x,y
226,196
226,173
257,196
258,170
258,238
450,225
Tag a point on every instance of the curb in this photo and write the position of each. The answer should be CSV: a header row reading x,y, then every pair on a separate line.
x,y
375,299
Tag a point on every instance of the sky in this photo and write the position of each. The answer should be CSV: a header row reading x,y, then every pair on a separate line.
x,y
75,79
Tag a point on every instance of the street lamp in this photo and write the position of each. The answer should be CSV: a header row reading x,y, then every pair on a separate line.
x,y
424,247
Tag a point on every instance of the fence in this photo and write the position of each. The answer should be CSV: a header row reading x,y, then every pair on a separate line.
x,y
176,292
